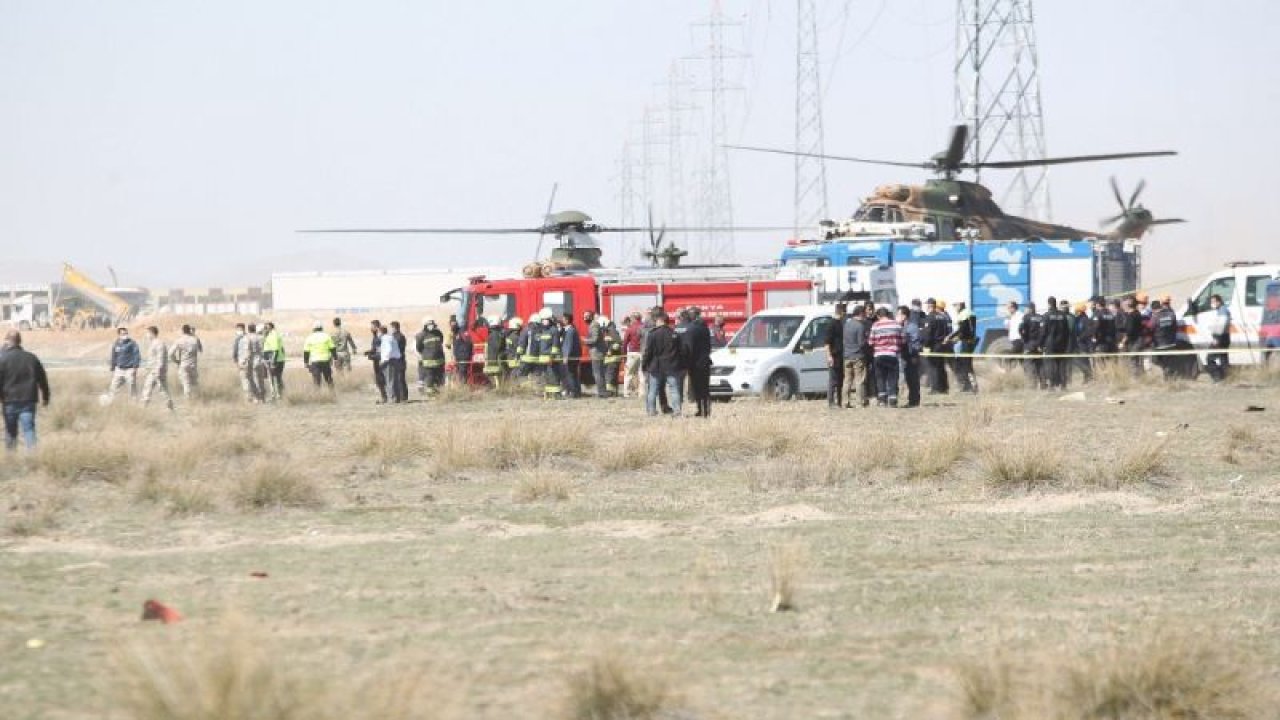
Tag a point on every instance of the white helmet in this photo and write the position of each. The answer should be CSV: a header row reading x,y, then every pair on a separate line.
x,y
602,321
546,314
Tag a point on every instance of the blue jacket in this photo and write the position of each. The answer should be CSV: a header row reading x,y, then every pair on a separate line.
x,y
125,355
570,345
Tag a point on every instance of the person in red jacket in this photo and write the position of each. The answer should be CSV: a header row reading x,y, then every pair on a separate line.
x,y
631,371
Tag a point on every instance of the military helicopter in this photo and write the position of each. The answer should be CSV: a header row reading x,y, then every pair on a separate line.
x,y
575,250
945,208
1134,219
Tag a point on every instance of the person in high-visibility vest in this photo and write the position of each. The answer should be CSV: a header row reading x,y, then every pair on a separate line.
x,y
548,342
273,357
317,355
613,354
511,348
495,347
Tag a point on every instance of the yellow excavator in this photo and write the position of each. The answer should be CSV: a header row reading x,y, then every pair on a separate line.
x,y
71,316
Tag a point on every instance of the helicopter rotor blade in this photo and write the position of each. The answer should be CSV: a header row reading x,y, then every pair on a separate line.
x,y
430,231
735,228
1167,221
955,151
778,151
1008,164
1133,199
1115,190
1112,220
550,203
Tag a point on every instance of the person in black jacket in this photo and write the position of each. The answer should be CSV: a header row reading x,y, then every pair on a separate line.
x,y
933,336
1164,333
663,362
1057,339
835,357
696,349
22,382
1032,331
1131,331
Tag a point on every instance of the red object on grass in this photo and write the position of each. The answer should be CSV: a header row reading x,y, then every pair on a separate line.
x,y
156,610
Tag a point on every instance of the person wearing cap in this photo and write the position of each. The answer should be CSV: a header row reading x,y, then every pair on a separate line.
x,y
157,366
432,356
343,346
126,358
23,382
185,354
317,355
631,371
1032,346
1104,329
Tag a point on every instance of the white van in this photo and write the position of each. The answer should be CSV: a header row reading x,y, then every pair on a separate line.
x,y
778,353
1247,289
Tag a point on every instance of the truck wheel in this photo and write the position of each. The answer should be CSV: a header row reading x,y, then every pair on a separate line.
x,y
1002,346
781,386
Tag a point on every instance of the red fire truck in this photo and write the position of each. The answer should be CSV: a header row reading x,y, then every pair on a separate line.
x,y
734,293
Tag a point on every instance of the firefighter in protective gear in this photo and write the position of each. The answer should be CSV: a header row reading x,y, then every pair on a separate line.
x,y
613,354
494,352
548,343
433,355
511,348
528,340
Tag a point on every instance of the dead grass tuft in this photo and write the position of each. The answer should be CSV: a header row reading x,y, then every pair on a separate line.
x,y
230,673
453,394
610,689
937,455
532,486
1143,463
1003,380
310,395
84,457
1021,464
179,498
269,484
36,510
1239,437
634,451
788,562
1163,678
392,443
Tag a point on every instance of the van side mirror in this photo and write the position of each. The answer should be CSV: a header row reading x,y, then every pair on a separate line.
x,y
1193,308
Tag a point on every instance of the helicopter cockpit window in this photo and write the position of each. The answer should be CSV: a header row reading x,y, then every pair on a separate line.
x,y
870,213
893,215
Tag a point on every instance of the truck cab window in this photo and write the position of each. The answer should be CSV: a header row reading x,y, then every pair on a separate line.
x,y
559,301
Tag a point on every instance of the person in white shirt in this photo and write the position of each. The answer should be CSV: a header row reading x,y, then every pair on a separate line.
x,y
1014,325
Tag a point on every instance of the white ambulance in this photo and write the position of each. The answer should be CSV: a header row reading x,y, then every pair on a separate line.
x,y
1251,292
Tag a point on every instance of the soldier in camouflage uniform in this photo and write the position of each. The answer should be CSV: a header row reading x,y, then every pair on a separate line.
x,y
242,353
343,346
157,369
184,354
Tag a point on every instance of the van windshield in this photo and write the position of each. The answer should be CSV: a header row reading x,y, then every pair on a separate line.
x,y
767,331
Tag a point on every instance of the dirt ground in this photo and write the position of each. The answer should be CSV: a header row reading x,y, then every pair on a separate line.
x,y
504,542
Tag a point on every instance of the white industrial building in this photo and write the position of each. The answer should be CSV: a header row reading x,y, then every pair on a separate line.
x,y
359,290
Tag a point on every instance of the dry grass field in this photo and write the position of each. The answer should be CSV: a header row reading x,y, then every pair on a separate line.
x,y
1010,555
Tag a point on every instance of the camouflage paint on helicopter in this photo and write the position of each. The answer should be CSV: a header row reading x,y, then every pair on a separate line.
x,y
945,208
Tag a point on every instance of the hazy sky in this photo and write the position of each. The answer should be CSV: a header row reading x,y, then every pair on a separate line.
x,y
184,142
